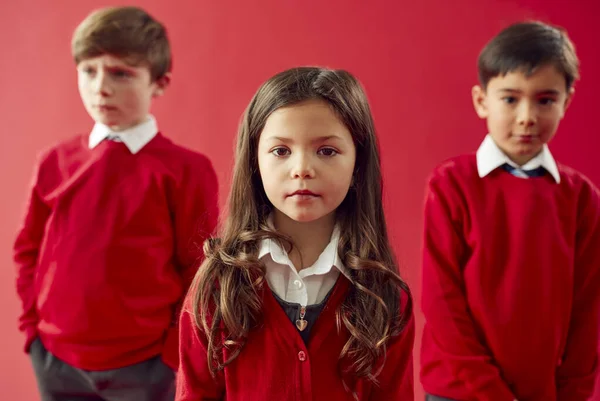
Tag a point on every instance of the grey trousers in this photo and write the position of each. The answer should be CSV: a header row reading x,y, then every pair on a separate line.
x,y
150,380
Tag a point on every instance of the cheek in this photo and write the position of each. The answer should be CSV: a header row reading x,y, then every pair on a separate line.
x,y
268,175
84,89
340,179
552,118
549,125
262,168
501,114
500,123
134,97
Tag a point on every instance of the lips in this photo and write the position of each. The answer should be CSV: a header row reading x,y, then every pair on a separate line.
x,y
105,107
303,192
525,138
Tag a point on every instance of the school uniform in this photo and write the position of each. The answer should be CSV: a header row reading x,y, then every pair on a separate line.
x,y
511,280
109,245
284,359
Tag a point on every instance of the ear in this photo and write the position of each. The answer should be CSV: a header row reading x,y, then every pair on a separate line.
x,y
568,100
162,84
480,101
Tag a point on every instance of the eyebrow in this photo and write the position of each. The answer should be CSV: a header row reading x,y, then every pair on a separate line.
x,y
113,67
543,92
315,140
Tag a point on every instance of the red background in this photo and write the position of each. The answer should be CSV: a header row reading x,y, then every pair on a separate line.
x,y
416,59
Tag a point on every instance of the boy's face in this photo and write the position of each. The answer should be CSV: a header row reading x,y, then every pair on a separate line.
x,y
523,112
115,93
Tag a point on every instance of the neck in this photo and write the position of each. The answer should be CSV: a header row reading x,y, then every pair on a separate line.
x,y
310,238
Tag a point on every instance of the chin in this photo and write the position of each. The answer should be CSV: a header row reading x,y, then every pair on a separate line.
x,y
303,217
103,120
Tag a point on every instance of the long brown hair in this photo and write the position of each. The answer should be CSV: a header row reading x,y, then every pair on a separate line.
x,y
228,284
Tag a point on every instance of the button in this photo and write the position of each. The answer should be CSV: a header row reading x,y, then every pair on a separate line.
x,y
559,362
298,283
302,356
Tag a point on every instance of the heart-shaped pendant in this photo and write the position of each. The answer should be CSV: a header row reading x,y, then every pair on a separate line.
x,y
301,324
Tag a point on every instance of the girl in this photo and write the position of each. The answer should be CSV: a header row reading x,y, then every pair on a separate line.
x,y
301,299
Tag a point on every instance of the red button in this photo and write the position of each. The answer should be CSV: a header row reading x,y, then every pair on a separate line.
x,y
302,356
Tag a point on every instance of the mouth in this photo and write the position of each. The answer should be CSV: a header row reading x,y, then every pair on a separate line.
x,y
304,194
525,137
105,107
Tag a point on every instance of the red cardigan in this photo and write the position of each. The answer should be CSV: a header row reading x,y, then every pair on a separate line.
x,y
108,246
511,285
275,364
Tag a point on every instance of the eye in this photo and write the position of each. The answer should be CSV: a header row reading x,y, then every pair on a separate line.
x,y
121,73
546,101
509,99
88,70
327,152
280,151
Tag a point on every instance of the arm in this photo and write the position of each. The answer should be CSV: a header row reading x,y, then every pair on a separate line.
x,y
444,301
577,373
194,381
25,255
396,379
194,210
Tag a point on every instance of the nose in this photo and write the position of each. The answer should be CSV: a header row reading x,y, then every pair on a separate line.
x,y
527,114
303,166
101,84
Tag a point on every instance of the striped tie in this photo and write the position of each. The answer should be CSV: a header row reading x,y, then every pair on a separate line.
x,y
536,172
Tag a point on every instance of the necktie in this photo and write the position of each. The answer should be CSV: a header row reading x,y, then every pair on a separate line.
x,y
536,172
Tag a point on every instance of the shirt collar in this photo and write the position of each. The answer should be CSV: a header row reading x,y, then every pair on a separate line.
x,y
490,157
135,138
328,259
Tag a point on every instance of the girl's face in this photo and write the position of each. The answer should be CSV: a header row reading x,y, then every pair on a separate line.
x,y
306,159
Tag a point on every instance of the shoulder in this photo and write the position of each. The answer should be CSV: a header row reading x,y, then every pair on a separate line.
x,y
453,176
575,179
180,153
578,184
458,167
187,161
69,147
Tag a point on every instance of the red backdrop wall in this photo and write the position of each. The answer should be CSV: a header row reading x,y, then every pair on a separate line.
x,y
416,59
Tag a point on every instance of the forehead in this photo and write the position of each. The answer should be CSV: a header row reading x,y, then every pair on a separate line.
x,y
305,120
111,60
544,78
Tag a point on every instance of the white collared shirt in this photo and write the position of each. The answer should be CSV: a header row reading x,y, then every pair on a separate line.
x,y
490,157
309,286
135,138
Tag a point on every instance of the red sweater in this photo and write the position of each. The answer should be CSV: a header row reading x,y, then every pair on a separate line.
x,y
511,285
108,247
275,364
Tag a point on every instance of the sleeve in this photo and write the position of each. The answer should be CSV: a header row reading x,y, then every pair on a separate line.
x,y
576,374
26,250
444,299
396,380
194,381
195,213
